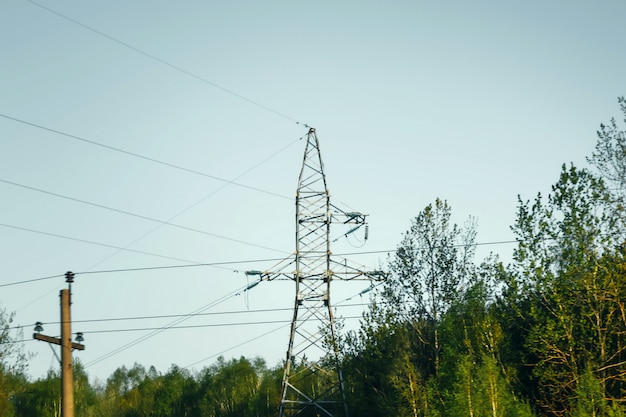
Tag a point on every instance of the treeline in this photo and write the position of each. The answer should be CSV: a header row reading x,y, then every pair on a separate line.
x,y
446,335
544,335
238,387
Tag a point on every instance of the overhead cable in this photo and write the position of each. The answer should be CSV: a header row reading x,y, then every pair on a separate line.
x,y
196,326
147,158
214,355
167,326
170,65
193,205
140,216
211,264
247,341
25,229
27,281
169,316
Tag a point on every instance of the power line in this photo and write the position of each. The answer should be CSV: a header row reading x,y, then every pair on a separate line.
x,y
25,229
158,330
126,248
459,245
170,65
169,316
140,216
251,340
152,268
196,326
27,281
173,325
235,347
163,328
216,264
147,158
212,264
196,203
155,331
375,252
226,183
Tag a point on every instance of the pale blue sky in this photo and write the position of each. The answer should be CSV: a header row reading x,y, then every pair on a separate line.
x,y
473,102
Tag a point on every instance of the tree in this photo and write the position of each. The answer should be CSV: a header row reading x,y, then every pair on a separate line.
x,y
429,270
84,394
475,380
609,156
393,362
589,399
229,388
174,394
571,302
267,400
41,398
381,369
128,392
13,363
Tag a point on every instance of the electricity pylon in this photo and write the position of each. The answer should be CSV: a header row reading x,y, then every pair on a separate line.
x,y
312,382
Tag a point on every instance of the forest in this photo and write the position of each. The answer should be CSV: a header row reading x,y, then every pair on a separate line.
x,y
446,334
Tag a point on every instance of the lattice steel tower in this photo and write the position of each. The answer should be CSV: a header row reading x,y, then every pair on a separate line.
x,y
312,382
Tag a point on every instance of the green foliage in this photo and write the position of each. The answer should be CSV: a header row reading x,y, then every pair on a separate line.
x,y
428,271
430,263
381,370
589,397
41,398
13,364
420,351
565,265
482,390
85,396
610,150
233,385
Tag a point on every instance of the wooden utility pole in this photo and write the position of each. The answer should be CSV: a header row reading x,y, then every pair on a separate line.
x,y
67,376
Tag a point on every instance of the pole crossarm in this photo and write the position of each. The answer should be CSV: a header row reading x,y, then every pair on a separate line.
x,y
56,341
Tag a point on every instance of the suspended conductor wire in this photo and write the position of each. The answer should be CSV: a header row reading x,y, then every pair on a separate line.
x,y
170,316
257,337
162,222
191,326
183,327
200,326
215,355
217,264
195,204
166,327
95,243
170,65
41,297
126,247
28,281
147,158
152,268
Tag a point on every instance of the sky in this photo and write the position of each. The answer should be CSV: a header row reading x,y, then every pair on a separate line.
x,y
117,117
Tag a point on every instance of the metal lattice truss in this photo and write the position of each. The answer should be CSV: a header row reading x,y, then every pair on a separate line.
x,y
312,381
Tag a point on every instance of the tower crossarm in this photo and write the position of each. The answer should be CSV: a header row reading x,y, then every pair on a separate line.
x,y
340,269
